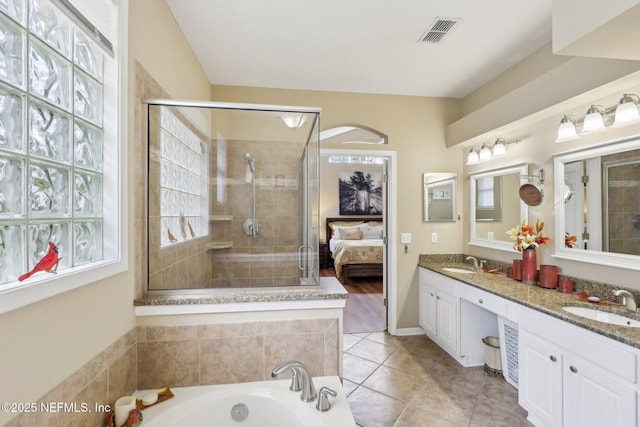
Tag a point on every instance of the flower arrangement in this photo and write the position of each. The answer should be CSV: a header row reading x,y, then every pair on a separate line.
x,y
570,241
528,236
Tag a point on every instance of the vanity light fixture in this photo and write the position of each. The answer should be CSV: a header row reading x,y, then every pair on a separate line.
x,y
567,129
627,110
486,152
599,117
594,120
294,120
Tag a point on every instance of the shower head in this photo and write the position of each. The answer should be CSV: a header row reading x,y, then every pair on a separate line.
x,y
252,162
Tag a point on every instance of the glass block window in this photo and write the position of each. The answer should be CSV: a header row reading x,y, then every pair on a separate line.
x,y
183,175
51,140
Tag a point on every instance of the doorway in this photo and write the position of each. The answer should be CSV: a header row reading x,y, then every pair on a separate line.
x,y
372,297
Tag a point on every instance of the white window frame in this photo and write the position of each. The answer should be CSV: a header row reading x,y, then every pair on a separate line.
x,y
115,251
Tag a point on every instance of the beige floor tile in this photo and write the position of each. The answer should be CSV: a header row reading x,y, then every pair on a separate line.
x,y
372,350
394,383
372,409
357,369
438,390
349,340
416,417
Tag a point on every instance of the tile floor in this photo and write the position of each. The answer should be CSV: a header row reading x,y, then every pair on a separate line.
x,y
410,382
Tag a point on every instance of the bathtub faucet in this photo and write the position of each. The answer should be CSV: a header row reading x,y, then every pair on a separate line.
x,y
301,380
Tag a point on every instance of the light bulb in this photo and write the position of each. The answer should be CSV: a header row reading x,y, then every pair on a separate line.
x,y
472,157
499,148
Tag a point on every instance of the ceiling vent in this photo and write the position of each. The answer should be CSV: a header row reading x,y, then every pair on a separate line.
x,y
439,29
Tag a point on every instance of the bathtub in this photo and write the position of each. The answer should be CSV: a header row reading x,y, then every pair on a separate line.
x,y
268,404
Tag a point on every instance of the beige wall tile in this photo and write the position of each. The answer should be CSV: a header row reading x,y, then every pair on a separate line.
x,y
168,363
231,360
304,348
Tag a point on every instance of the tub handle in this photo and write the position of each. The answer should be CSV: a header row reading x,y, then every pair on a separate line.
x,y
323,399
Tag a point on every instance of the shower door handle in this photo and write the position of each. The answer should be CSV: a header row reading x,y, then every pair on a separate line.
x,y
302,251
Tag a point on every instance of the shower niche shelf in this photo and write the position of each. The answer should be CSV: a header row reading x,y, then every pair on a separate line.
x,y
215,246
220,218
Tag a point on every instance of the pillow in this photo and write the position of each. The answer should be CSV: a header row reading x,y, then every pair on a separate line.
x,y
369,232
338,225
374,223
351,234
337,230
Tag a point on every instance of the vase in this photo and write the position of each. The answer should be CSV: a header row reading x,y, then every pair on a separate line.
x,y
529,266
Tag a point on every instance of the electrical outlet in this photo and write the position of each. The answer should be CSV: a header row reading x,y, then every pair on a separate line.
x,y
405,238
434,237
490,235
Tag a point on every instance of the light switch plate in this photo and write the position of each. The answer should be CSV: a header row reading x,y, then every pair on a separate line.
x,y
405,238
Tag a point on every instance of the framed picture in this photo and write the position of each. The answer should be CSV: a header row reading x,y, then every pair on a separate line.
x,y
360,193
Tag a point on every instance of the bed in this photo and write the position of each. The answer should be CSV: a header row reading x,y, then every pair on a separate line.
x,y
356,247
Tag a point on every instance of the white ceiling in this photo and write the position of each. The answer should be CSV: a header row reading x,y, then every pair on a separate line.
x,y
366,46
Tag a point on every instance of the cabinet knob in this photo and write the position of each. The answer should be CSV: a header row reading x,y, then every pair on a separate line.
x,y
480,301
553,358
573,369
432,294
438,297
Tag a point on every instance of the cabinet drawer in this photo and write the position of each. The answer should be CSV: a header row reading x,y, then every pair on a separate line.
x,y
601,351
484,299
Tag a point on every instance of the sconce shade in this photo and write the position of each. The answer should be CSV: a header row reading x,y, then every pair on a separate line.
x,y
499,148
485,153
472,157
593,121
567,130
627,111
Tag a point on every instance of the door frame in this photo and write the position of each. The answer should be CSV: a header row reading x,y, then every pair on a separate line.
x,y
390,202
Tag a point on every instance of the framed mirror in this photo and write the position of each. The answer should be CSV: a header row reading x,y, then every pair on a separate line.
x,y
439,197
495,206
597,204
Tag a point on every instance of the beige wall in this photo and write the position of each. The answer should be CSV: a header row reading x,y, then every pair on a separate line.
x,y
416,130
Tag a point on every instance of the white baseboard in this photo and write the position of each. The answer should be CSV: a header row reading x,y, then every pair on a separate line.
x,y
405,332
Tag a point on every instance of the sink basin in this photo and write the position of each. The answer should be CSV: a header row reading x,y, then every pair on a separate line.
x,y
603,316
458,270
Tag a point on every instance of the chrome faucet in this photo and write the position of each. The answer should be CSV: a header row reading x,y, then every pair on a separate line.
x,y
476,264
301,380
475,261
627,299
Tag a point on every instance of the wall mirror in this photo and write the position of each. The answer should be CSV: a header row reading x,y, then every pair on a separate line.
x,y
439,197
495,206
597,204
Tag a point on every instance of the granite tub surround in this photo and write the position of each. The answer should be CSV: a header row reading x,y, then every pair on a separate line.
x,y
234,352
102,380
329,289
548,301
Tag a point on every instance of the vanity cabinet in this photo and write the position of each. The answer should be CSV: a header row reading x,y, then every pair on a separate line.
x,y
571,377
439,309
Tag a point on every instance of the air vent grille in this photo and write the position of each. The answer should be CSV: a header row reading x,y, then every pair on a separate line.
x,y
438,30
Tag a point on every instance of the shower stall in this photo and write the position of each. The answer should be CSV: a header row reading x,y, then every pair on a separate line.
x,y
232,196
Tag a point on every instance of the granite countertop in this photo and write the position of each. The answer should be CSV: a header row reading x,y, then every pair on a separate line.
x,y
330,288
548,301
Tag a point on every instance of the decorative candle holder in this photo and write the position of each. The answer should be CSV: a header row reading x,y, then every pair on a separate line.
x,y
548,276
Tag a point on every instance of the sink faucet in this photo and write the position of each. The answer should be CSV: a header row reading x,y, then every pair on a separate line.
x,y
476,264
627,300
475,261
301,380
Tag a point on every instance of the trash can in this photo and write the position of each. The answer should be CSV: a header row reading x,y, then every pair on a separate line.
x,y
492,359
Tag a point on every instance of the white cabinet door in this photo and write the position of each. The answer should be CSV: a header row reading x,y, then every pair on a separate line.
x,y
595,398
540,380
447,321
428,308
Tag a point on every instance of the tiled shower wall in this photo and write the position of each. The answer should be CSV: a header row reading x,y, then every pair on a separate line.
x,y
624,203
179,356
